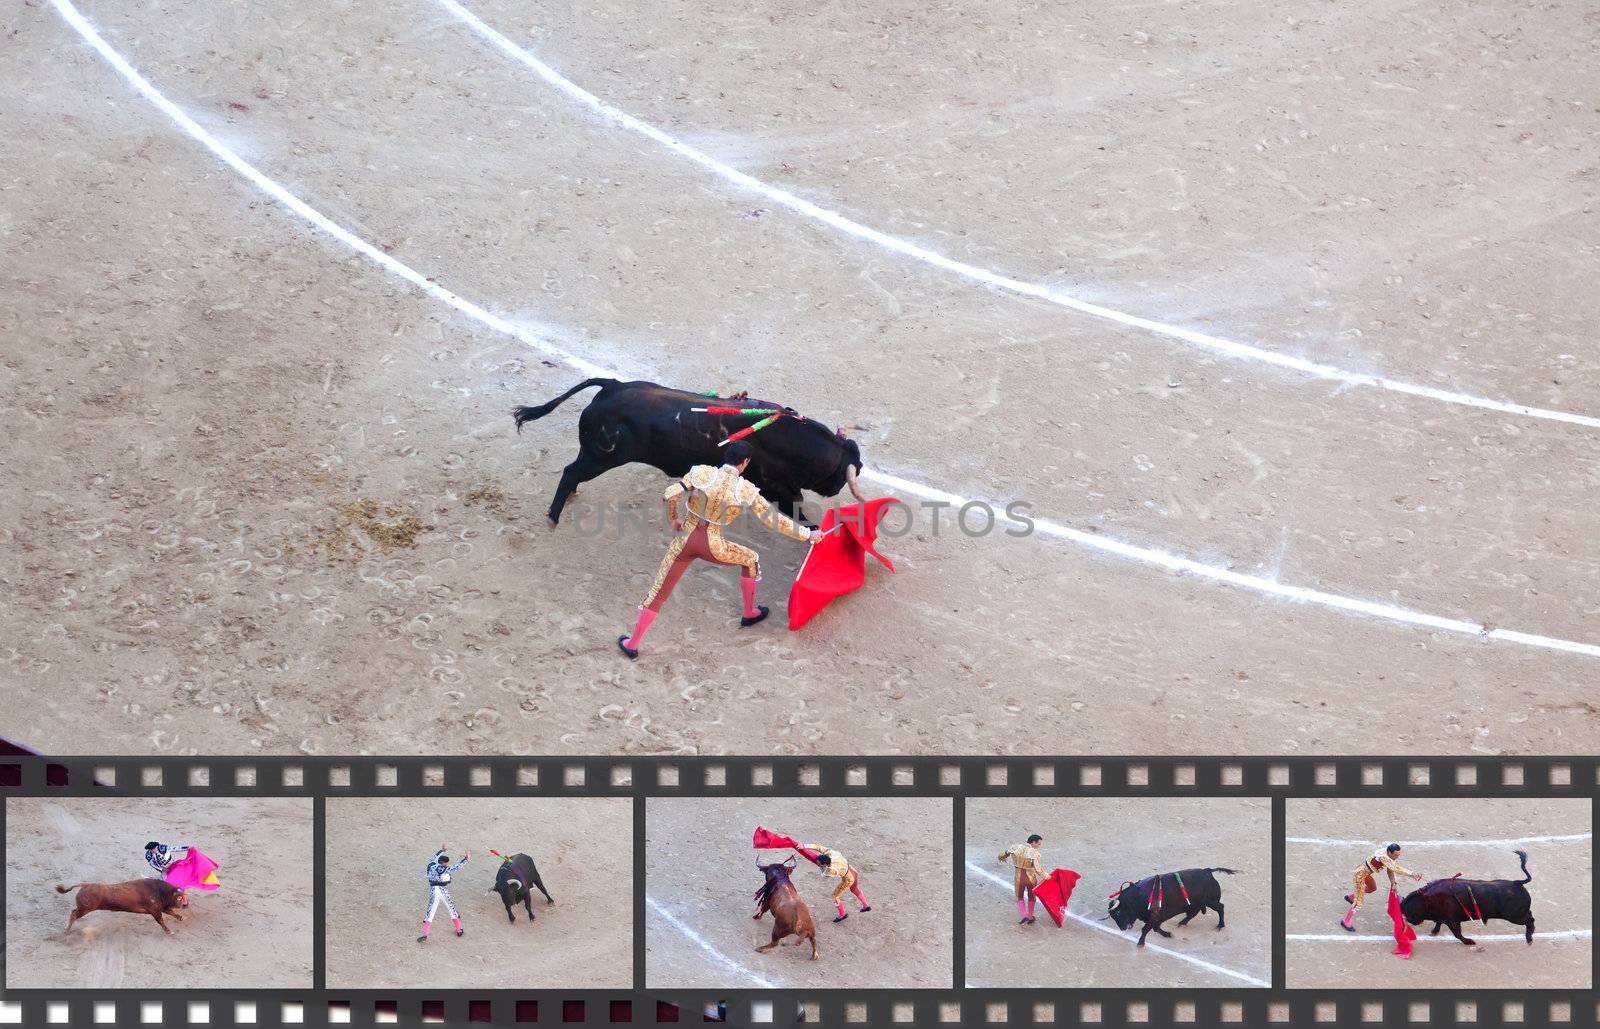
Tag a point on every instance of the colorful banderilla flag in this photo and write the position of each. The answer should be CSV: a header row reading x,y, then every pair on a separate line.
x,y
194,872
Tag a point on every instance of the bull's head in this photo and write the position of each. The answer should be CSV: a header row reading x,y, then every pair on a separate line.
x,y
1118,912
783,867
509,887
1412,907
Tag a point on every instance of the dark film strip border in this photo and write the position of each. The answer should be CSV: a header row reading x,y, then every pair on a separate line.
x,y
869,1008
969,777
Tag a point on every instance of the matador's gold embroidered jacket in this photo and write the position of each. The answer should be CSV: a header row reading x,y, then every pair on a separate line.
x,y
837,865
718,496
1026,858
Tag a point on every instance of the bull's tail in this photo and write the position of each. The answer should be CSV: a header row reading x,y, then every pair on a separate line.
x,y
1224,871
68,889
1522,856
531,414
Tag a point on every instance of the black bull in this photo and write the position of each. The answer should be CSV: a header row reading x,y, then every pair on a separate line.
x,y
652,424
1453,901
515,881
1161,897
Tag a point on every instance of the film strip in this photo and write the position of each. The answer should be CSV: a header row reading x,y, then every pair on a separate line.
x,y
965,782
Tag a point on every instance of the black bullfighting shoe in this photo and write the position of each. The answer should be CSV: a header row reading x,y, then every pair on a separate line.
x,y
622,645
841,918
461,932
865,910
1349,899
1346,928
422,939
761,614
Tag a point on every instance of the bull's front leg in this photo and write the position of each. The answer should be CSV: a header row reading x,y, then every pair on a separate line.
x,y
1148,925
1189,916
1455,930
164,927
1156,925
511,915
1436,927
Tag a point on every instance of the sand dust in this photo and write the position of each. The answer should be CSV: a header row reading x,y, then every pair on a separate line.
x,y
377,893
253,933
700,869
1107,841
1318,876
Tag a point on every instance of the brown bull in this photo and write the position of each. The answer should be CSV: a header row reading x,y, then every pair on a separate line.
x,y
151,897
790,916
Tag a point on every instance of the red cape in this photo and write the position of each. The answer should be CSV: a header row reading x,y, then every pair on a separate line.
x,y
767,840
1055,891
837,564
1403,933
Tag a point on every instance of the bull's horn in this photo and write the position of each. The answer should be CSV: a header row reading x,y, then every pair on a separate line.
x,y
515,882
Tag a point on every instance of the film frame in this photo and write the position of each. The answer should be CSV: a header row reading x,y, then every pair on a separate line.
x,y
957,778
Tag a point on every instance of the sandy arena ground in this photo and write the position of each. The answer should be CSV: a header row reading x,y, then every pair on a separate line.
x,y
701,876
265,497
1434,835
253,933
377,893
1109,841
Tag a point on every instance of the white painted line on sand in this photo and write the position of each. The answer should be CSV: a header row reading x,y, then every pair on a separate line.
x,y
985,276
1093,541
303,209
1559,934
1154,947
700,941
1509,841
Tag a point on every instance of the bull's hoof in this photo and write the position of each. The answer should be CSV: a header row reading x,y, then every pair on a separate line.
x,y
622,645
761,614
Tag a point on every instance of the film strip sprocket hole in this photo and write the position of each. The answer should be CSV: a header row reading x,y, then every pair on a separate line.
x,y
831,776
